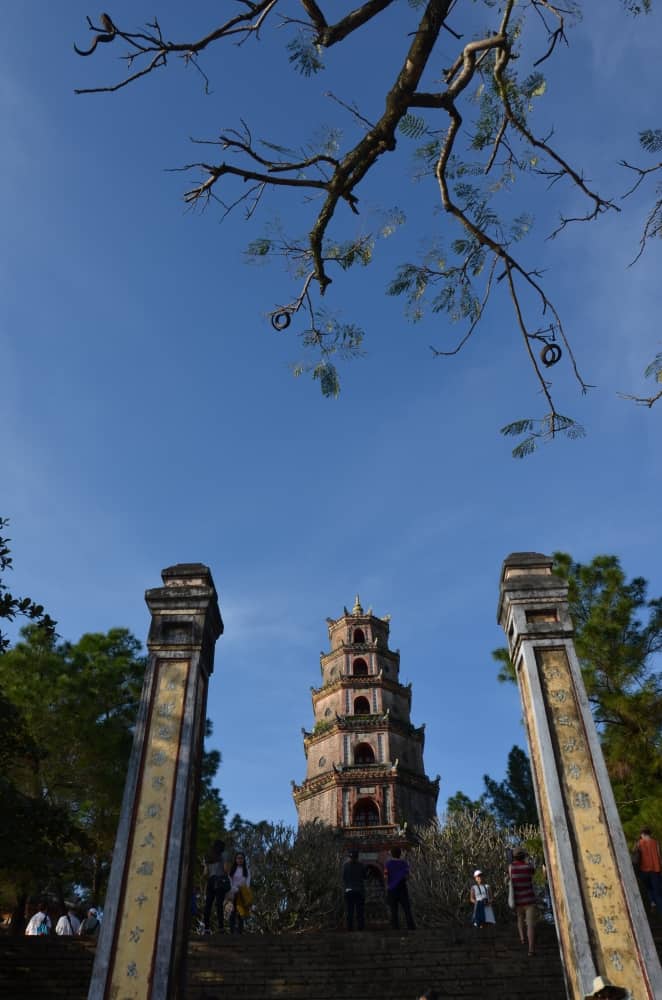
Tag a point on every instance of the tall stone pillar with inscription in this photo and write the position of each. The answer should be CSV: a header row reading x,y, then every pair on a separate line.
x,y
142,946
605,939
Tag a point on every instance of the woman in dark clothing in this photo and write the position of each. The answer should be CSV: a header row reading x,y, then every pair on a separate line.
x,y
218,885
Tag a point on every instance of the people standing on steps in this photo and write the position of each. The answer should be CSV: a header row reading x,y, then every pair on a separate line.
x,y
354,874
520,872
396,873
481,898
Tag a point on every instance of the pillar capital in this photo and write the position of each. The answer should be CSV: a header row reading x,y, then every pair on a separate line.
x,y
533,600
185,612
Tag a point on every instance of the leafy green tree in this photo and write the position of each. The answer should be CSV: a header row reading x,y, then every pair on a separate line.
x,y
510,802
460,803
470,127
12,607
618,634
35,834
513,800
78,703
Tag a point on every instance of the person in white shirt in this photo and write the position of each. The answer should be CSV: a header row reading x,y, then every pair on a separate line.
x,y
68,925
40,922
239,877
481,897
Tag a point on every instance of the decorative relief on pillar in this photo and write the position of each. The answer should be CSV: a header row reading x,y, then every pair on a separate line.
x,y
604,901
137,925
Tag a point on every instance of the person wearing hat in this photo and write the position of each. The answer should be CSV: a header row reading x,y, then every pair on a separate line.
x,y
90,926
521,876
481,897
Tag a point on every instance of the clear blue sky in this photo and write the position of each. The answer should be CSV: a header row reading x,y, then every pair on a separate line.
x,y
148,417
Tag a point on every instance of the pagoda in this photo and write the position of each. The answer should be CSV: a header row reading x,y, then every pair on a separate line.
x,y
365,772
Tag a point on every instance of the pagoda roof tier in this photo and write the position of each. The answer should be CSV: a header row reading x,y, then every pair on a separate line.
x,y
366,681
352,774
360,647
381,722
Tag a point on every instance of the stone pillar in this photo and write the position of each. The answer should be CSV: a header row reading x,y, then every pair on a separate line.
x,y
143,941
606,944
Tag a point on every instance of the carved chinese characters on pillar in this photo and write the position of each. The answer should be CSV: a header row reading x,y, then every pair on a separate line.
x,y
138,923
604,900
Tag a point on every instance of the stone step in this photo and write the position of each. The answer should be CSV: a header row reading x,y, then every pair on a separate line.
x,y
465,963
461,963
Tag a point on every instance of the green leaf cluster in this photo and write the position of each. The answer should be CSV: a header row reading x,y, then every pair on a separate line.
x,y
541,431
305,56
651,140
12,607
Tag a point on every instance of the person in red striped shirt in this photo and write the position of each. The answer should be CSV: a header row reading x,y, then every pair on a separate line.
x,y
521,876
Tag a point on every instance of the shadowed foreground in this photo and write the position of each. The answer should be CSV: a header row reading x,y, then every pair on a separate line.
x,y
465,964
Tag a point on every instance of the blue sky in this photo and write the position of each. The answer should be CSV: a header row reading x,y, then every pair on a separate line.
x,y
148,415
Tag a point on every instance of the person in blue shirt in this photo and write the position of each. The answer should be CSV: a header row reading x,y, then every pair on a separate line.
x,y
396,873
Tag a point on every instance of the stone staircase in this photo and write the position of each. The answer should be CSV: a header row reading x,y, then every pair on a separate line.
x,y
462,963
45,968
465,964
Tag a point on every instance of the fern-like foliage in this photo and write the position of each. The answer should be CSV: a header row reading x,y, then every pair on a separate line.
x,y
654,369
540,431
651,140
413,126
305,55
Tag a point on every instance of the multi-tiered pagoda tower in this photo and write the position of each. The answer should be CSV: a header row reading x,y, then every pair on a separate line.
x,y
365,769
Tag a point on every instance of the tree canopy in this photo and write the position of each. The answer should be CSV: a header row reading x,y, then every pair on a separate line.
x,y
76,703
12,607
618,638
470,124
510,802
